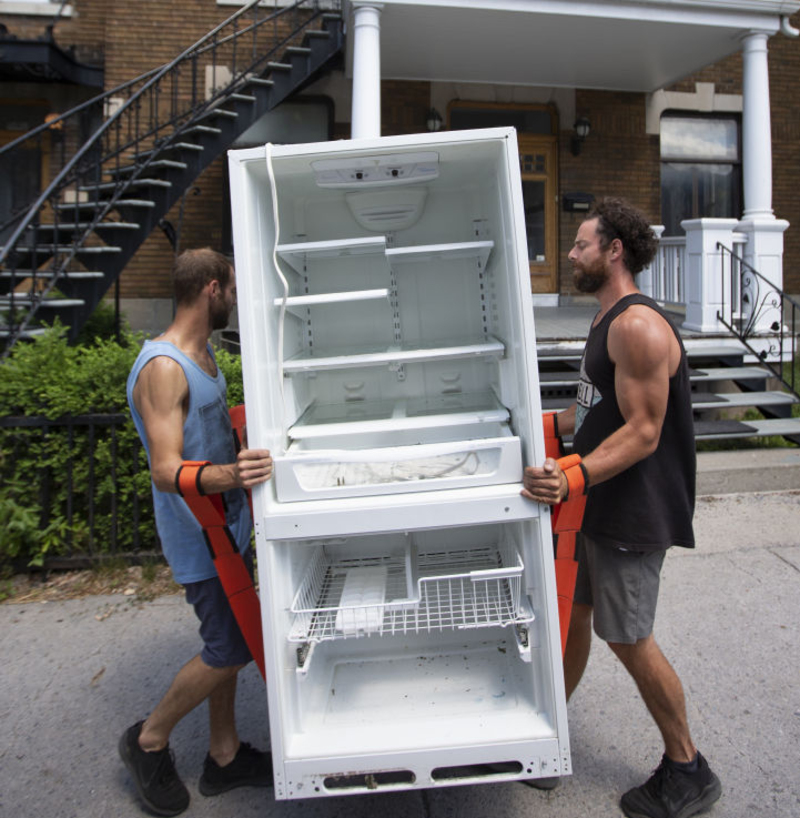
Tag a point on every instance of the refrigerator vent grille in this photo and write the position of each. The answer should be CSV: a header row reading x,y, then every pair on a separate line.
x,y
455,589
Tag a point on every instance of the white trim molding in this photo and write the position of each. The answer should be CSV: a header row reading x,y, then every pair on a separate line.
x,y
703,100
44,8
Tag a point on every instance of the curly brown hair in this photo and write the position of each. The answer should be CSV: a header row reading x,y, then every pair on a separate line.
x,y
617,219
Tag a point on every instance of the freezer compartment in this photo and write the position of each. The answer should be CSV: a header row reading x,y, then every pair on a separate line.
x,y
307,471
343,596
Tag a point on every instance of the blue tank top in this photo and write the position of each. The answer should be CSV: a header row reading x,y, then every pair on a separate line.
x,y
207,435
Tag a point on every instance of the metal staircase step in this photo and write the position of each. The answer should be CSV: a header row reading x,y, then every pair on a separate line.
x,y
223,112
298,49
56,303
175,146
260,81
50,249
156,164
279,66
203,129
91,204
163,183
242,97
86,225
75,275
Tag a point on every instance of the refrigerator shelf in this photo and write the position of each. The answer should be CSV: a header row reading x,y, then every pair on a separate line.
x,y
297,255
408,593
394,354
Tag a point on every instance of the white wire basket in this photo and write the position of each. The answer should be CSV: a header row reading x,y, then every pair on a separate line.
x,y
409,593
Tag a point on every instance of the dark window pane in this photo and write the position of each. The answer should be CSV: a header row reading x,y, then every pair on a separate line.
x,y
693,191
533,200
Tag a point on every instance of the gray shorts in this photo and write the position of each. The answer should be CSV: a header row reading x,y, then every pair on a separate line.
x,y
622,588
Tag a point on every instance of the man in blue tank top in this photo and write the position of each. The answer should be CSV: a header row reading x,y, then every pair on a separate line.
x,y
177,397
632,426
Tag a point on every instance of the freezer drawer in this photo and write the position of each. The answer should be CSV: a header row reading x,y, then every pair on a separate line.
x,y
307,472
409,592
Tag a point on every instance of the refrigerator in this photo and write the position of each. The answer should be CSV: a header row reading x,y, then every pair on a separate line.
x,y
408,594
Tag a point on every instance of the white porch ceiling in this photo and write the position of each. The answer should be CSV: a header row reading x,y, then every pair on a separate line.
x,y
606,44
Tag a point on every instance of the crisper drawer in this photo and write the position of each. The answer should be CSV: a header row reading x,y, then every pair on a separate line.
x,y
306,472
342,596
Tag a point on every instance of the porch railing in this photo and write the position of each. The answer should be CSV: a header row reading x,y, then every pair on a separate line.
x,y
668,272
763,317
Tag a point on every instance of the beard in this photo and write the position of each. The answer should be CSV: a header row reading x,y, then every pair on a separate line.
x,y
590,279
220,315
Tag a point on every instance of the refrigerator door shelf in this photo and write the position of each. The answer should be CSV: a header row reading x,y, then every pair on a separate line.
x,y
328,421
454,589
395,355
319,474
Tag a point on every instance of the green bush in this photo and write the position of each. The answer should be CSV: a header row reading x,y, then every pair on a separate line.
x,y
59,491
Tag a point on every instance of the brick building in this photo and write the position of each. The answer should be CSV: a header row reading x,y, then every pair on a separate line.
x,y
625,152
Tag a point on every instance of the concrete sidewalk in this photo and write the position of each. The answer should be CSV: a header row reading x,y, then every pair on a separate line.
x,y
75,674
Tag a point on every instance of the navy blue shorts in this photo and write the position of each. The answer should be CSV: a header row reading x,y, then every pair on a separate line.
x,y
223,643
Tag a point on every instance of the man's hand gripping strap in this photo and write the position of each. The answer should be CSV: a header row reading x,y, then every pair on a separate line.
x,y
566,520
233,574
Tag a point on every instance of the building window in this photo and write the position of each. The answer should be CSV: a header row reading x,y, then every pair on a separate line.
x,y
701,171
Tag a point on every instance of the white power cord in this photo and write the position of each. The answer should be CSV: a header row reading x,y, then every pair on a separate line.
x,y
276,265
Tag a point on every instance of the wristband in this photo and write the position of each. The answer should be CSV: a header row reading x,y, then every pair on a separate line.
x,y
585,477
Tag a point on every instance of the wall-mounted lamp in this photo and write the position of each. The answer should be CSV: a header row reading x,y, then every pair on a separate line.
x,y
581,127
433,120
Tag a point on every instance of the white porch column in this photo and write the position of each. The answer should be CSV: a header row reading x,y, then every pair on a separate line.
x,y
756,131
366,113
705,285
764,248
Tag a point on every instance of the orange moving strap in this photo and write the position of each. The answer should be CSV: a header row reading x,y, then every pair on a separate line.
x,y
566,521
233,574
552,441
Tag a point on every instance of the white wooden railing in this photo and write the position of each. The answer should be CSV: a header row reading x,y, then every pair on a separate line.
x,y
668,278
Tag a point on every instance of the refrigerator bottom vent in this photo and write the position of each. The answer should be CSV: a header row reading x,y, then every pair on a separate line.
x,y
410,593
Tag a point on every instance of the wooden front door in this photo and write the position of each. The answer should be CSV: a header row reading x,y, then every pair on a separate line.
x,y
538,165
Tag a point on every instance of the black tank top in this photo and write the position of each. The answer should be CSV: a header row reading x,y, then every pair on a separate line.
x,y
650,505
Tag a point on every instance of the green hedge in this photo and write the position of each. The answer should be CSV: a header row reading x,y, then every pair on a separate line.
x,y
60,489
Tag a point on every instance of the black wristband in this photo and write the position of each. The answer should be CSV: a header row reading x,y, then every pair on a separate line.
x,y
178,480
555,424
585,478
197,480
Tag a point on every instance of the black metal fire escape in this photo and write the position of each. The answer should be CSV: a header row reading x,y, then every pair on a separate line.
x,y
62,252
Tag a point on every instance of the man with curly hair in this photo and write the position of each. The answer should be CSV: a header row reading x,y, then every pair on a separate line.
x,y
632,426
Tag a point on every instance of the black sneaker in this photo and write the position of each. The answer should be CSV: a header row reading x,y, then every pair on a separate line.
x,y
154,775
250,768
672,793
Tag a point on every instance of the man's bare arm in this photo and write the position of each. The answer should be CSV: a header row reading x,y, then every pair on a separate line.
x,y
641,345
160,395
